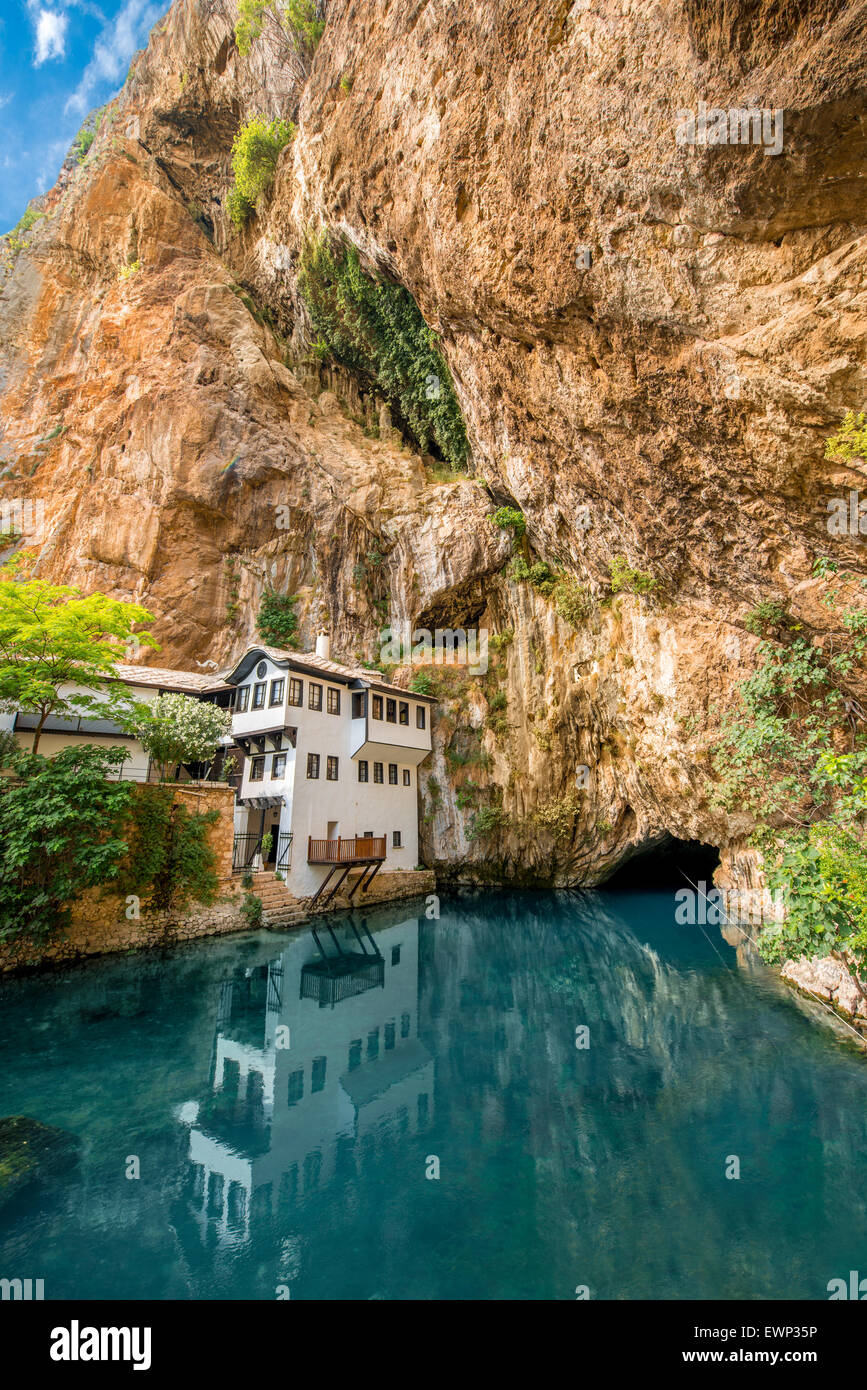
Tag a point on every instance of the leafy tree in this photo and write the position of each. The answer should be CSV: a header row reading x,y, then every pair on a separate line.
x,y
52,638
375,328
293,24
277,623
177,729
61,832
255,151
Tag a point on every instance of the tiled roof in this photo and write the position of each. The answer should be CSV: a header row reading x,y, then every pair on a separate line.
x,y
332,668
209,681
172,680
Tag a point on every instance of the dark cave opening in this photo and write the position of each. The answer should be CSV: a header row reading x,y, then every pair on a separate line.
x,y
670,863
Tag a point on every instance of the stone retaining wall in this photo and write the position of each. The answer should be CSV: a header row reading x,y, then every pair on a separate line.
x,y
100,926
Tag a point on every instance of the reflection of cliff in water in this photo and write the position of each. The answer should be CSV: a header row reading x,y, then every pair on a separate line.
x,y
633,1132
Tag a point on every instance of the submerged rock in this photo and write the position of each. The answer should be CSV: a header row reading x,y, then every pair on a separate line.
x,y
31,1152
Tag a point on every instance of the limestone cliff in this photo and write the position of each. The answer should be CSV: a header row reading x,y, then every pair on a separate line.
x,y
649,341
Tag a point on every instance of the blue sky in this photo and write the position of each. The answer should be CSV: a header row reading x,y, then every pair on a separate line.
x,y
58,60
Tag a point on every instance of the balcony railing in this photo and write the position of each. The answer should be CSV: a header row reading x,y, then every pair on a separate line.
x,y
357,850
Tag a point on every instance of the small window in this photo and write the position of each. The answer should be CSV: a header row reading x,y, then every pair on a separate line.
x,y
257,769
389,1027
395,839
312,765
259,695
296,1087
358,704
373,1044
391,711
392,774
317,1077
296,692
377,706
407,777
362,771
333,701
404,1025
377,772
403,713
315,700
243,698
355,1054
395,960
277,688
419,716
278,765
331,765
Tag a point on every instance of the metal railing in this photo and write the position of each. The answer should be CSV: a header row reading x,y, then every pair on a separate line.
x,y
348,851
247,852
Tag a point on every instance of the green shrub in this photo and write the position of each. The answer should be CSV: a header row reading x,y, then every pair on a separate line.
x,y
255,151
422,683
633,581
170,859
779,759
82,143
61,832
763,617
375,328
486,821
251,910
850,441
277,622
510,519
571,600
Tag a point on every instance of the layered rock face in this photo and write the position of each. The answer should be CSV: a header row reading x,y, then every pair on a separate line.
x,y
650,340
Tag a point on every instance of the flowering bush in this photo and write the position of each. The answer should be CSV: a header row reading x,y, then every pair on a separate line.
x,y
178,729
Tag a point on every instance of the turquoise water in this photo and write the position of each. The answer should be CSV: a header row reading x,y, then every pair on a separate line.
x,y
283,1141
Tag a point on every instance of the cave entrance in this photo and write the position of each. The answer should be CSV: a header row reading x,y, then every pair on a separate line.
x,y
665,864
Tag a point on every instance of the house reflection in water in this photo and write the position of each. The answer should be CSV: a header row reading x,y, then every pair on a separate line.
x,y
315,1052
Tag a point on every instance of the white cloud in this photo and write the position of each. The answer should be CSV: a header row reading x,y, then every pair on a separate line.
x,y
51,28
113,49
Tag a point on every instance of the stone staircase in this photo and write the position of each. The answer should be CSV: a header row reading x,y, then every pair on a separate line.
x,y
279,908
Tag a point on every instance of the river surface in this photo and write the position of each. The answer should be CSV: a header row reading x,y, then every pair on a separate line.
x,y
411,1118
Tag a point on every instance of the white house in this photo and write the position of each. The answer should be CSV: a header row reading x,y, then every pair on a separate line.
x,y
330,767
327,788
143,683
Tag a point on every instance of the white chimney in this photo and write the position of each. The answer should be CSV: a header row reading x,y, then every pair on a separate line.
x,y
323,645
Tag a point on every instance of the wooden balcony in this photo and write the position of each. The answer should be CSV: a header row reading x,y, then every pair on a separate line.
x,y
357,850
